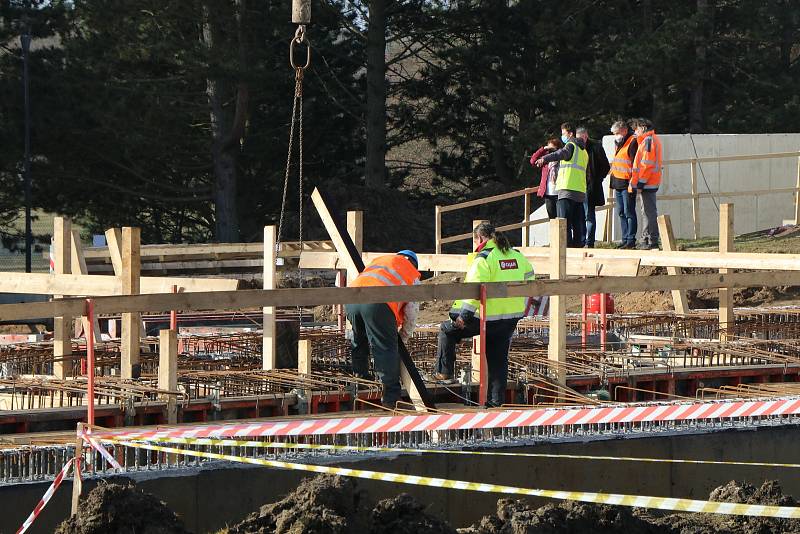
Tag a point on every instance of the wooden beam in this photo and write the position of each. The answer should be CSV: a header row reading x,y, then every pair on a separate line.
x,y
526,215
131,321
114,241
62,324
695,201
236,300
355,229
557,342
78,266
269,346
797,195
168,370
409,375
206,251
668,243
97,285
304,356
726,317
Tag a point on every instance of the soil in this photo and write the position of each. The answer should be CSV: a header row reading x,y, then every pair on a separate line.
x,y
333,505
122,508
519,517
436,311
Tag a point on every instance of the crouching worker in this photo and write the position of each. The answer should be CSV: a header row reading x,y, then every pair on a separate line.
x,y
493,260
378,325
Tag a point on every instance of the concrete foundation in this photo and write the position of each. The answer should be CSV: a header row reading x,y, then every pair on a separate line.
x,y
219,495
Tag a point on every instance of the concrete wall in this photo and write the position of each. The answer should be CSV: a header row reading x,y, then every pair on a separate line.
x,y
211,498
752,213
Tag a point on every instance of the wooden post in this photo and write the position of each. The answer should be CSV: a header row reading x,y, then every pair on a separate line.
x,y
608,228
355,228
668,244
526,217
131,322
726,317
695,201
269,349
168,370
438,232
77,481
557,345
304,367
62,326
797,194
78,266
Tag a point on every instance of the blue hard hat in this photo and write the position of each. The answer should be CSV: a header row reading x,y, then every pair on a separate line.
x,y
411,255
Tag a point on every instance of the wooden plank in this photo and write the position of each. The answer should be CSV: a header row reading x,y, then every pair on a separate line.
x,y
695,201
717,159
526,215
487,200
726,317
99,285
269,345
410,378
114,240
236,300
304,356
668,243
62,324
131,321
168,370
78,264
557,337
688,259
355,229
206,251
797,195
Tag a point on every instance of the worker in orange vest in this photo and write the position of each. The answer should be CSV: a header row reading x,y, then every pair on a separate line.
x,y
378,325
646,177
625,148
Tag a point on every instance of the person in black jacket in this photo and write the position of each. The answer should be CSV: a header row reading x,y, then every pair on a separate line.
x,y
596,172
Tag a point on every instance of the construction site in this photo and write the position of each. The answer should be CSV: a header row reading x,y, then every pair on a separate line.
x,y
217,399
211,387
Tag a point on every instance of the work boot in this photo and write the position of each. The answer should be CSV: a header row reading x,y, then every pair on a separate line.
x,y
629,245
621,244
654,246
645,245
441,377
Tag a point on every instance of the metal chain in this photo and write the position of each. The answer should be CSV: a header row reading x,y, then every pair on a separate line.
x,y
288,168
299,95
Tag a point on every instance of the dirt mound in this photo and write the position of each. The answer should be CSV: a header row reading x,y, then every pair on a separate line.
x,y
435,312
321,505
405,515
122,508
333,505
770,493
518,517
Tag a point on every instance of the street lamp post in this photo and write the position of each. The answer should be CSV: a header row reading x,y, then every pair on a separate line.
x,y
25,40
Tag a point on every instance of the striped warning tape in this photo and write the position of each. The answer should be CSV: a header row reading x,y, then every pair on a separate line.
x,y
350,448
650,412
102,450
659,503
45,498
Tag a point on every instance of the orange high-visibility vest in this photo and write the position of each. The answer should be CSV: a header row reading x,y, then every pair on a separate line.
x,y
648,163
392,270
622,164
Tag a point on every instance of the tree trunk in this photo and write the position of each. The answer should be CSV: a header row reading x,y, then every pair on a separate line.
x,y
696,119
227,126
500,145
375,167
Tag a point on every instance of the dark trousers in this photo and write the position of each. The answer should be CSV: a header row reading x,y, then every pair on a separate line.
x,y
626,209
550,205
498,341
374,325
576,223
591,222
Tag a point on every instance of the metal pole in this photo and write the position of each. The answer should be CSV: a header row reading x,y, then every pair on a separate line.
x,y
25,39
584,322
603,321
90,361
483,388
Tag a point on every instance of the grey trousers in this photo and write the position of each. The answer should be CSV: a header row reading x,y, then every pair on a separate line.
x,y
375,327
647,200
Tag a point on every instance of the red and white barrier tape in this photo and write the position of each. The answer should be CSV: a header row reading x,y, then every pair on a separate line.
x,y
102,450
653,412
45,498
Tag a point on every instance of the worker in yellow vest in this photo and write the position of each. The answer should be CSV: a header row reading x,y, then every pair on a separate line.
x,y
570,183
493,260
378,325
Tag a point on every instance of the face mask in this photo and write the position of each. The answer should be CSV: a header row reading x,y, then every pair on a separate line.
x,y
619,138
564,139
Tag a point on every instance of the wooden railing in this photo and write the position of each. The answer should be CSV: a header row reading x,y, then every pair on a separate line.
x,y
694,195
